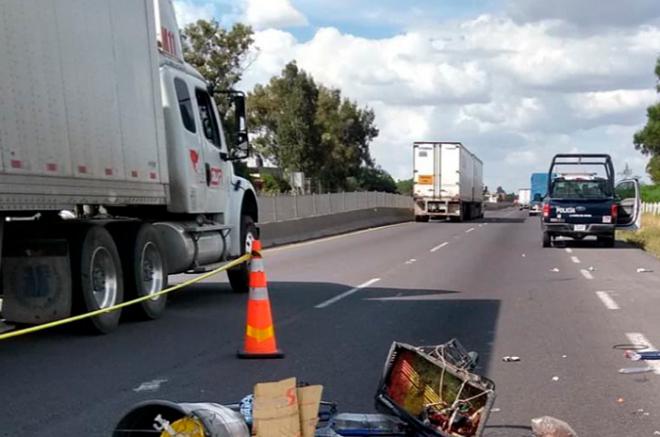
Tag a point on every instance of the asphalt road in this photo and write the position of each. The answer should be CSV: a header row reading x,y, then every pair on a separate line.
x,y
491,285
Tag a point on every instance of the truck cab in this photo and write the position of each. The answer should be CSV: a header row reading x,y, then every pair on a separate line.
x,y
587,203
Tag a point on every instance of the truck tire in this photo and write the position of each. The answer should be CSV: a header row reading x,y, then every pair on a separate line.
x,y
239,276
547,239
606,241
422,218
97,277
145,269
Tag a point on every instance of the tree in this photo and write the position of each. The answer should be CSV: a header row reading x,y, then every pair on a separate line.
x,y
405,187
302,126
220,55
376,179
653,169
648,138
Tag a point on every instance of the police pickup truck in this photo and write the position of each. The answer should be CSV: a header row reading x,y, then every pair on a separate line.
x,y
588,203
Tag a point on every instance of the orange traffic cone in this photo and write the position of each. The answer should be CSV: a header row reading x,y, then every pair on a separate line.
x,y
259,333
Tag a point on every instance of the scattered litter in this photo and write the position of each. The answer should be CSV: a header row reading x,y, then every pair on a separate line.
x,y
564,356
656,433
495,410
620,400
592,269
550,427
150,385
639,355
555,378
509,359
554,270
643,270
523,255
633,370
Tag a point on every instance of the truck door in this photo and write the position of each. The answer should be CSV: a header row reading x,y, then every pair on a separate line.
x,y
214,152
628,201
424,170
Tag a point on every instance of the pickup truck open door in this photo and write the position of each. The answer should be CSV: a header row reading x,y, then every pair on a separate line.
x,y
628,200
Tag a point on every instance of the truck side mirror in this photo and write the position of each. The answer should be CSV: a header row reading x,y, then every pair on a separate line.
x,y
241,144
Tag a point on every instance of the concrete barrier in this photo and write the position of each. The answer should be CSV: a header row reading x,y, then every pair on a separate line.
x,y
294,231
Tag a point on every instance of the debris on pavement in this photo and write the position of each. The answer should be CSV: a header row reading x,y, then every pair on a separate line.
x,y
564,356
642,355
555,378
554,270
434,396
620,400
508,359
633,370
551,427
592,269
644,270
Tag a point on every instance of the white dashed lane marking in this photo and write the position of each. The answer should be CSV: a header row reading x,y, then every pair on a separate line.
x,y
339,297
586,274
607,300
439,246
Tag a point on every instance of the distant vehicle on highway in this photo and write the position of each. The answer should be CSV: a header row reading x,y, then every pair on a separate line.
x,y
538,191
588,203
448,182
524,197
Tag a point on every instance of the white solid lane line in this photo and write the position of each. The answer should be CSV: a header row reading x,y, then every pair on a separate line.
x,y
439,246
469,230
586,274
637,338
569,250
575,259
607,300
339,297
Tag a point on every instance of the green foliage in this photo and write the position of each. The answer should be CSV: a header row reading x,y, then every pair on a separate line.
x,y
405,187
220,55
648,138
653,169
376,179
650,193
274,184
302,126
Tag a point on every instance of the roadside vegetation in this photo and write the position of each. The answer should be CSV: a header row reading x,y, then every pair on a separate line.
x,y
650,193
647,238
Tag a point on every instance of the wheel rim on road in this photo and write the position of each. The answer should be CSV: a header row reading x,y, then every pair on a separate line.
x,y
153,271
103,276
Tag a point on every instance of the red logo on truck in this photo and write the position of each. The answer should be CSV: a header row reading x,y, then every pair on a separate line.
x,y
194,158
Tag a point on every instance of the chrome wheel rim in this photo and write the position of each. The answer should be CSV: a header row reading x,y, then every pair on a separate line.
x,y
103,277
153,271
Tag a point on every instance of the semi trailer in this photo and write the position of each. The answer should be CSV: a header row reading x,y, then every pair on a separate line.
x,y
116,170
447,182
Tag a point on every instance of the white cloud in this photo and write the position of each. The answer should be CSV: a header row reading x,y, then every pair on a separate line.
x,y
188,12
516,92
264,14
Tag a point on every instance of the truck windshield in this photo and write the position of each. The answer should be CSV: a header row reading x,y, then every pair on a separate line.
x,y
581,189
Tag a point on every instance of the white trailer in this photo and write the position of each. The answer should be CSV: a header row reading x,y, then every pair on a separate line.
x,y
524,197
100,116
448,181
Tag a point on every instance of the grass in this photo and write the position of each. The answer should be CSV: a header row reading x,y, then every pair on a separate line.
x,y
647,238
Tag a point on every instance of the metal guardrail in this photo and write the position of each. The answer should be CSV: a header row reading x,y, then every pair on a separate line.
x,y
651,208
285,207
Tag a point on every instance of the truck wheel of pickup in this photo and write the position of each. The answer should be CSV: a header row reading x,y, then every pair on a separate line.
x,y
607,241
547,240
238,276
97,277
145,270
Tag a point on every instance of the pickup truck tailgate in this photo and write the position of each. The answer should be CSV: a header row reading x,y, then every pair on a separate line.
x,y
581,211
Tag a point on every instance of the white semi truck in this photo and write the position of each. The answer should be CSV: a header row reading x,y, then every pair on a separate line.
x,y
524,198
115,169
447,181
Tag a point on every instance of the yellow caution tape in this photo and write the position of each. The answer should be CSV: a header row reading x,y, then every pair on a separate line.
x,y
78,317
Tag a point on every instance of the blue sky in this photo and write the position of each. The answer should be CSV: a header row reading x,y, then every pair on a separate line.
x,y
515,80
